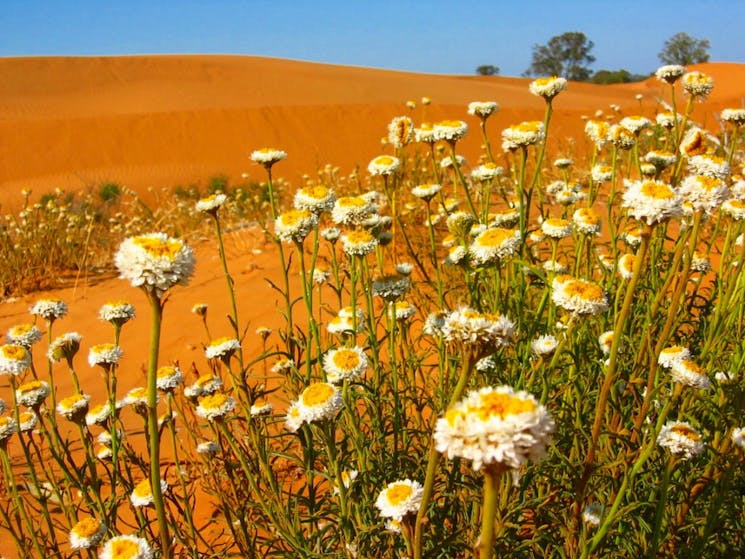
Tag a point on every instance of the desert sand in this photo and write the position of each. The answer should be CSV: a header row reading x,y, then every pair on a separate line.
x,y
159,121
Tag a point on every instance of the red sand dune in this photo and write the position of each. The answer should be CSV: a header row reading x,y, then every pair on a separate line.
x,y
163,120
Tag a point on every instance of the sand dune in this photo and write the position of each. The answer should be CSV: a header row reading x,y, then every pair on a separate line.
x,y
165,120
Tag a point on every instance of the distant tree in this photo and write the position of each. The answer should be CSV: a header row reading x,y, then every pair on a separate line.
x,y
683,49
566,55
616,76
487,70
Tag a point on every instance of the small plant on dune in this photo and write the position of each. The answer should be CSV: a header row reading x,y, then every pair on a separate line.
x,y
530,357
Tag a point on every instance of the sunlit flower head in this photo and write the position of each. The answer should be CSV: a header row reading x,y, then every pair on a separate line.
x,y
222,348
544,345
268,156
667,119
734,208
680,439
688,373
206,384
695,142
479,332
483,109
626,266
548,88
697,84
126,547
522,135
87,533
384,165
358,243
295,225
318,402
563,162
399,499
602,172
494,244
708,165
200,309
652,201
391,287
352,210
605,340
556,228
169,378
670,73
450,130
586,221
578,296
14,359
316,199
104,355
344,364
261,407
142,494
621,137
208,448
403,310
154,262
49,309
447,161
733,116
98,415
212,203
215,406
27,421
425,133
597,131
400,131
25,335
495,425
660,159
704,194
671,355
117,312
487,172
32,394
73,408
426,191
635,124
8,427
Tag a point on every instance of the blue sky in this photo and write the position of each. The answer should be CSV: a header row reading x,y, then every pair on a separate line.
x,y
435,36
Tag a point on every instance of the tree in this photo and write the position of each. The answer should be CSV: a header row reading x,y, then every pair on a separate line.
x,y
683,49
565,55
487,70
616,76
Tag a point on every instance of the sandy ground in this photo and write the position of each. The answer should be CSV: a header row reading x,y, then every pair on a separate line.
x,y
160,121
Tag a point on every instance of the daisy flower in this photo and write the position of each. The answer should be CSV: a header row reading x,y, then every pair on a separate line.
x,y
493,245
351,210
87,533
733,116
206,384
344,364
586,221
680,439
169,378
154,262
592,514
403,310
495,425
261,407
211,203
597,131
74,408
295,225
660,159
670,73
25,335
709,165
32,394
399,499
483,109
556,228
98,415
384,165
578,296
358,243
319,401
482,332
635,124
652,201
548,88
8,427
621,137
697,84
104,355
49,309
605,340
426,191
390,287
400,131
126,547
316,199
704,193
117,312
142,494
602,172
222,348
626,266
65,346
215,406
268,156
522,135
688,373
450,130
671,355
487,172
734,208
14,359
544,346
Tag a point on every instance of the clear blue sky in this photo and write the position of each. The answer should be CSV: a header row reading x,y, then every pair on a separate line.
x,y
435,36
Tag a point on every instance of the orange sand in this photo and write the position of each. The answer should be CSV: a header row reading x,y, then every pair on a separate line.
x,y
163,120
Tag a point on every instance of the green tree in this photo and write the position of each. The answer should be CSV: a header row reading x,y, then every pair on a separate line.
x,y
487,70
566,55
683,49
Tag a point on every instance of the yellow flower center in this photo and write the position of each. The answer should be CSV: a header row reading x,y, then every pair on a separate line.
x,y
545,81
352,202
124,549
657,190
30,386
556,222
588,216
143,489
25,416
87,527
584,290
346,359
399,493
220,341
708,183
70,401
359,237
293,217
166,371
502,405
529,126
21,329
318,393
204,380
318,192
159,248
494,237
686,432
137,393
15,352
213,401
